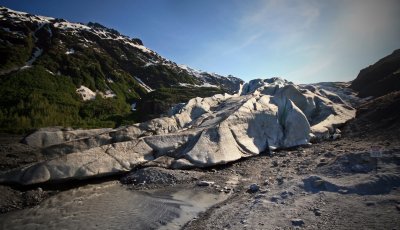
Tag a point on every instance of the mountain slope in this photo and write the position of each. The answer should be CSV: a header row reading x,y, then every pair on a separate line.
x,y
380,78
111,71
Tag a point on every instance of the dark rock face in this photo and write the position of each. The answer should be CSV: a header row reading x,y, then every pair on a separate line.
x,y
380,115
380,78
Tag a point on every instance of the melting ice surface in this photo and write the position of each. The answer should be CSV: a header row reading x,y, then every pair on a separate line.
x,y
112,206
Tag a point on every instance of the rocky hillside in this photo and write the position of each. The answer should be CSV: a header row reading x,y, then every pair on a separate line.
x,y
55,72
380,78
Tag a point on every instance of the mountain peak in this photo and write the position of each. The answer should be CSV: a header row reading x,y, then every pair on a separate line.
x,y
89,56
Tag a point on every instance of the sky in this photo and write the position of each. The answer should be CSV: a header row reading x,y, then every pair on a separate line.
x,y
303,41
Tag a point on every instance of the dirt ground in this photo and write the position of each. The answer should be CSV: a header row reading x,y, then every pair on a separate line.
x,y
334,184
331,185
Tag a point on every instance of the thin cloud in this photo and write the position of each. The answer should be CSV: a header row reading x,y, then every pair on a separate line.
x,y
274,25
360,33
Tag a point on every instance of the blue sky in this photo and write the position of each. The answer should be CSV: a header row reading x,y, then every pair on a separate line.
x,y
301,40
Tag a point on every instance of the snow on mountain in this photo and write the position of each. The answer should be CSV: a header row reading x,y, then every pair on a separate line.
x,y
86,93
148,56
146,87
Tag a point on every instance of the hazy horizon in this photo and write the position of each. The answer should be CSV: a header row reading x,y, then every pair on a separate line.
x,y
301,41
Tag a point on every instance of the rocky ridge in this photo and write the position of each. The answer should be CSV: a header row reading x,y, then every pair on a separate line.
x,y
50,33
380,78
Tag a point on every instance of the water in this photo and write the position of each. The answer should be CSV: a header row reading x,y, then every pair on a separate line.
x,y
112,206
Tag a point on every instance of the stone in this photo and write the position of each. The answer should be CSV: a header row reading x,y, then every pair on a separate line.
x,y
254,188
280,180
317,212
205,183
152,175
275,199
370,203
285,194
336,136
297,222
318,183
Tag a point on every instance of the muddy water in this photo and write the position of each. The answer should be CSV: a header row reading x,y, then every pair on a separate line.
x,y
112,206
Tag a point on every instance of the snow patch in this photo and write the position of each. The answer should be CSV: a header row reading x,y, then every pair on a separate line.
x,y
17,33
109,94
50,72
146,87
148,64
205,84
35,55
69,25
86,93
140,47
22,16
133,106
70,51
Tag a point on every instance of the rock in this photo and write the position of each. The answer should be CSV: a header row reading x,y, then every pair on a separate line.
x,y
297,222
285,194
205,183
269,114
151,175
280,180
275,199
370,203
254,188
336,136
317,212
33,197
322,162
318,183
260,196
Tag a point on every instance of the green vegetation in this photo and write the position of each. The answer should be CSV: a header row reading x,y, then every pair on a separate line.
x,y
15,50
34,98
45,94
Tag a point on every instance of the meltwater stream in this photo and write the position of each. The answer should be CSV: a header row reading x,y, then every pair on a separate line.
x,y
112,206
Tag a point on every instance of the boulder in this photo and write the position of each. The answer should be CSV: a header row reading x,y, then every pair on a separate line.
x,y
269,114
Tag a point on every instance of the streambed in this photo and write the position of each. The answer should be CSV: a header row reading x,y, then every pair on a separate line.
x,y
113,206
